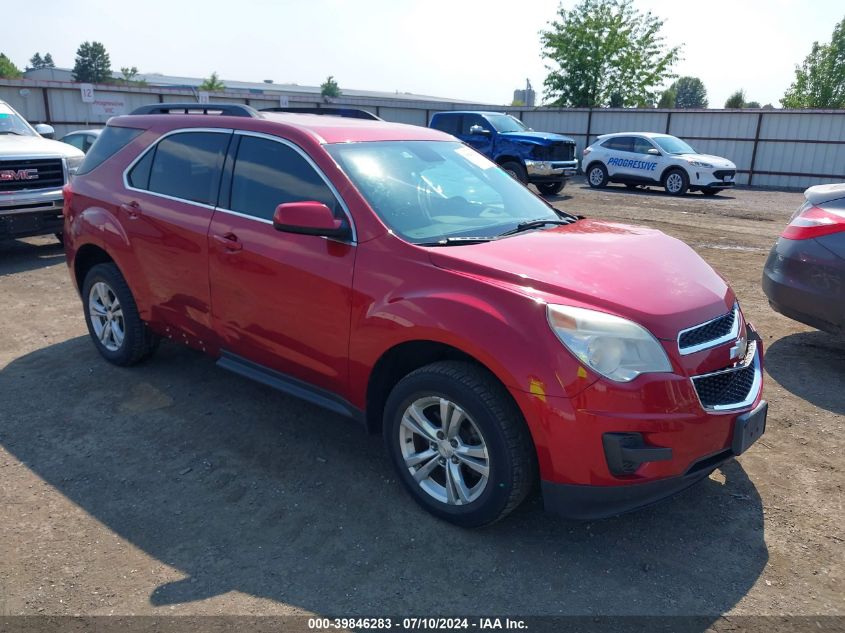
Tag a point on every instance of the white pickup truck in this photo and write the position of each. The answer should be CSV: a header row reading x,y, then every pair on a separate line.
x,y
33,170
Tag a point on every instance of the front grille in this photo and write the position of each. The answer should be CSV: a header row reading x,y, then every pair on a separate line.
x,y
49,170
719,330
731,387
721,173
561,150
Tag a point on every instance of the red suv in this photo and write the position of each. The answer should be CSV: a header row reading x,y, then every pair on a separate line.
x,y
392,274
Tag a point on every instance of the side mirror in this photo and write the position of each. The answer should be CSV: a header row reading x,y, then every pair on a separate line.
x,y
309,218
477,129
45,130
654,152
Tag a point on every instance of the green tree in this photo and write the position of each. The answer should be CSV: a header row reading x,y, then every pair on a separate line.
x,y
690,93
736,100
754,105
48,61
820,80
128,73
517,103
668,97
35,62
605,46
212,83
329,87
7,69
616,100
92,63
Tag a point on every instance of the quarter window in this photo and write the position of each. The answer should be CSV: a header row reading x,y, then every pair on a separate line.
x,y
620,143
186,165
268,173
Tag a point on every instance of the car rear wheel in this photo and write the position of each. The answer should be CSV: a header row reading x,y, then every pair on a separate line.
x,y
515,170
551,188
676,182
459,444
597,176
112,317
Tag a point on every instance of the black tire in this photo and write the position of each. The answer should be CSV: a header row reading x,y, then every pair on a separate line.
x,y
669,180
597,176
502,429
631,186
551,188
60,237
707,191
138,342
516,170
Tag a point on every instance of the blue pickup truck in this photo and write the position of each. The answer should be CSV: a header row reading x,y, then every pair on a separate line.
x,y
543,159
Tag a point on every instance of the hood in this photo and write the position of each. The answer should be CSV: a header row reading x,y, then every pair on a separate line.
x,y
637,273
12,145
716,161
825,193
540,138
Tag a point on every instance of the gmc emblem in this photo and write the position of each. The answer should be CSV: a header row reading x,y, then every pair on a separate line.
x,y
21,174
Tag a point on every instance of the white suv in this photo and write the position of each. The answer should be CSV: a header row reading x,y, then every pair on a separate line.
x,y
646,159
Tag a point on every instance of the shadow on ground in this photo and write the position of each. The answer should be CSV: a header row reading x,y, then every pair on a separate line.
x,y
17,256
246,489
820,381
656,191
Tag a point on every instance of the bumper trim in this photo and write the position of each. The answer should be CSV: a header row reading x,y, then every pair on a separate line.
x,y
587,503
551,168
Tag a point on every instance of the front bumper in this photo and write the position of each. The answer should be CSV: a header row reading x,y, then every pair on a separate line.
x,y
803,280
23,214
712,178
550,170
614,448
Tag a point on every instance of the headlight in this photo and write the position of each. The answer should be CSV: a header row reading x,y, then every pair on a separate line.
x,y
698,163
614,347
73,163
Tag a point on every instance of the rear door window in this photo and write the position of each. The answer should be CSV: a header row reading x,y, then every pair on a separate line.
x,y
186,165
620,143
268,173
447,123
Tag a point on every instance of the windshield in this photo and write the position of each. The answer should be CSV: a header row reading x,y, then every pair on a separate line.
x,y
506,123
12,123
427,191
672,145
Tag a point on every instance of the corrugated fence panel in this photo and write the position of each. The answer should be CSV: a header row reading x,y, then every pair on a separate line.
x,y
713,124
815,127
30,104
401,115
566,122
810,158
606,122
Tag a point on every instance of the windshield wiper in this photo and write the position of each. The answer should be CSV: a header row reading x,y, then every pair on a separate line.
x,y
535,224
457,241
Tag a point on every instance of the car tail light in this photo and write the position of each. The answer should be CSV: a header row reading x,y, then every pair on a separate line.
x,y
811,221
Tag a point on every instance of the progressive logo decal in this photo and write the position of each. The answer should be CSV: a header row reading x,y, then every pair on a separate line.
x,y
645,165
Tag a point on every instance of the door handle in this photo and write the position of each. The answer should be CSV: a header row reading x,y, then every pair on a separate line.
x,y
132,209
229,241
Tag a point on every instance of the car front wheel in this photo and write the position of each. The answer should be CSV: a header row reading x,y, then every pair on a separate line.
x,y
551,188
459,444
112,317
597,176
676,182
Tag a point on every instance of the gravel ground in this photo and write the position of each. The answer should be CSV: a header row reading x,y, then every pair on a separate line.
x,y
178,488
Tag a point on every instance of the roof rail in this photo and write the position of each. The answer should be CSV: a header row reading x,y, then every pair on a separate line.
x,y
350,113
225,109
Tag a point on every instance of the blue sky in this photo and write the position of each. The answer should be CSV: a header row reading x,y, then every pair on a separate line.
x,y
467,49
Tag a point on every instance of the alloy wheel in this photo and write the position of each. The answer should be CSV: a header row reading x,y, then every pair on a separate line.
x,y
106,316
596,176
674,182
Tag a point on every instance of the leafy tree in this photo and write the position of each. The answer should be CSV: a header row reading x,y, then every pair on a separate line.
x,y
329,87
605,46
212,83
36,62
128,73
92,63
48,61
616,100
668,97
690,92
755,105
518,102
768,106
820,80
736,100
7,69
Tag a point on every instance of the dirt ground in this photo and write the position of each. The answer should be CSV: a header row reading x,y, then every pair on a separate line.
x,y
178,488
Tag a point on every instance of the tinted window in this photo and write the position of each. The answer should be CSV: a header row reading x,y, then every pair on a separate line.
x,y
188,165
446,123
641,145
620,143
139,177
108,143
77,140
268,173
473,119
